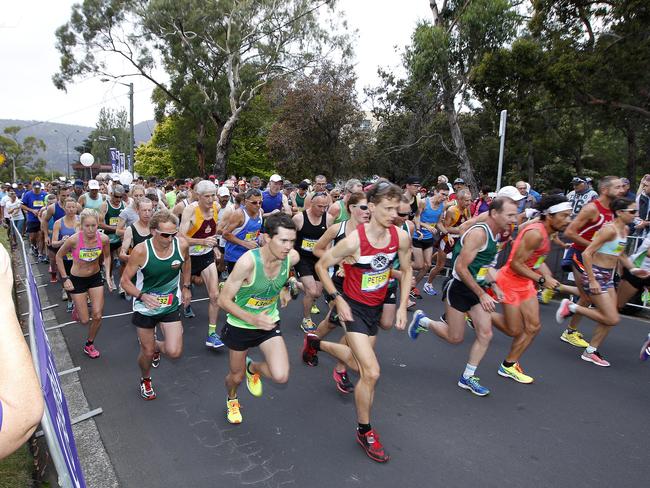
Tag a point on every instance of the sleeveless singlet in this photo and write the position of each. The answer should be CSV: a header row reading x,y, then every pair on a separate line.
x,y
136,237
615,247
112,218
88,253
430,216
94,204
535,260
160,277
248,231
414,207
366,281
271,202
463,215
307,237
485,257
587,232
300,201
64,230
202,229
261,294
343,213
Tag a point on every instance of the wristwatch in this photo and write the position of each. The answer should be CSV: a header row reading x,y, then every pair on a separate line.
x,y
331,296
188,286
541,280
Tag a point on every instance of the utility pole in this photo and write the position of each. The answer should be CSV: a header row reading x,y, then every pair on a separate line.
x,y
132,145
502,144
67,149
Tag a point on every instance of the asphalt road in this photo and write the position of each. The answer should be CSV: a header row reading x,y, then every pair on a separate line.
x,y
577,425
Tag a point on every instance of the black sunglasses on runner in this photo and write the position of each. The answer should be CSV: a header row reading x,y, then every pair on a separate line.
x,y
403,214
361,207
166,235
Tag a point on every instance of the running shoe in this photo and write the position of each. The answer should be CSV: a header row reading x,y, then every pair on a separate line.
x,y
415,328
146,389
373,447
253,381
469,321
563,311
91,352
315,310
415,293
546,295
233,415
75,313
121,292
69,307
428,289
595,357
472,384
516,373
645,350
155,361
309,350
575,338
410,304
308,326
343,383
34,251
188,312
213,341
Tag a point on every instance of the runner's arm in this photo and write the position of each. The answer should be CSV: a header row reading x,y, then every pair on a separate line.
x,y
106,251
126,244
120,229
68,245
286,208
588,214
325,240
56,230
186,273
406,273
472,243
529,242
135,261
333,212
45,216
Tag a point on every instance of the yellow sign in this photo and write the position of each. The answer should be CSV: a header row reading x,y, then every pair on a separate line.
x,y
3,158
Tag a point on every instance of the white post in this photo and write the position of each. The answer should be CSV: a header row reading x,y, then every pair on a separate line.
x,y
502,135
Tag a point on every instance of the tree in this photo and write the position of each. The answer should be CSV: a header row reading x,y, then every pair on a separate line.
x,y
318,121
22,161
217,55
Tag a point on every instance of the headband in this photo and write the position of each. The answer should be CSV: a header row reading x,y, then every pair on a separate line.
x,y
560,207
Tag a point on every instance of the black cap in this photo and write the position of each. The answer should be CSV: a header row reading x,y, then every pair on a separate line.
x,y
413,180
459,180
303,185
577,180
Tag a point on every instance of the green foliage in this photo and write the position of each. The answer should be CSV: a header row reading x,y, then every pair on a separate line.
x,y
23,154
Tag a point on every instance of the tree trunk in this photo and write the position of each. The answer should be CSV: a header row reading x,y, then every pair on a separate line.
x,y
200,148
631,154
223,144
531,163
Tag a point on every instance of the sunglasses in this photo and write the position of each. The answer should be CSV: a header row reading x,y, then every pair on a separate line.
x,y
254,202
361,207
403,214
166,235
629,210
320,194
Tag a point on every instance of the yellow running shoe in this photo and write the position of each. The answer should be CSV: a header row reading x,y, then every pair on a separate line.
x,y
233,415
575,338
315,310
515,372
253,381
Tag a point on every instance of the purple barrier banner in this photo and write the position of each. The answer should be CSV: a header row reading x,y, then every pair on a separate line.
x,y
55,404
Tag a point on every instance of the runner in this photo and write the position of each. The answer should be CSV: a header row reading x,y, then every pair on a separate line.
x,y
412,193
199,228
63,228
92,198
273,200
32,203
139,230
109,213
580,231
600,260
298,197
250,297
517,280
243,228
130,213
53,212
373,247
338,211
85,279
158,264
428,230
310,224
467,292
454,218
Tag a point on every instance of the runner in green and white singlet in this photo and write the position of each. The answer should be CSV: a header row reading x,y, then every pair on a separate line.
x,y
250,297
160,264
467,291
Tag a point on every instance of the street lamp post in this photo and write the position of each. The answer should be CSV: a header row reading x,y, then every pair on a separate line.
x,y
67,149
132,144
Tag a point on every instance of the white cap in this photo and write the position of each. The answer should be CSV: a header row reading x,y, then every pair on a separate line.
x,y
510,192
223,191
275,177
93,185
115,177
15,185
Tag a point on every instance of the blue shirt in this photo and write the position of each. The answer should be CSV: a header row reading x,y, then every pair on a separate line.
x,y
271,202
33,201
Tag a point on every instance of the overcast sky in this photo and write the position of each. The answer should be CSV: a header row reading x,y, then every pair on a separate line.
x,y
29,59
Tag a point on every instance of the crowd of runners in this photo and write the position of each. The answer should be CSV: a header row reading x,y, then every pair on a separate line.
x,y
359,250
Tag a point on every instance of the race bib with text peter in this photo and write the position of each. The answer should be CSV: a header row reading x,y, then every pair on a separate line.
x,y
374,280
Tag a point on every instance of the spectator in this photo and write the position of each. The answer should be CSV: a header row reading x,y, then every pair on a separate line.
x,y
21,399
531,196
273,200
644,208
627,193
581,195
482,203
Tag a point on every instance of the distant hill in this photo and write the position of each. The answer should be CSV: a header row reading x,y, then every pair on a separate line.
x,y
55,155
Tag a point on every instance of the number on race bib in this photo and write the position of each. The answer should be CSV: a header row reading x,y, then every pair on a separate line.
x,y
259,302
308,245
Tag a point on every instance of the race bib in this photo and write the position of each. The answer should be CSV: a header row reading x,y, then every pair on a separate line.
x,y
374,280
198,249
259,302
38,203
308,245
113,220
251,236
90,254
163,299
539,262
481,276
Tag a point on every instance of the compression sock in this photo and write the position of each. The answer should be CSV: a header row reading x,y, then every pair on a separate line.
x,y
590,349
469,371
212,329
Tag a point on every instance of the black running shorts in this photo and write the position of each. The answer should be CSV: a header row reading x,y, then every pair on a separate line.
x,y
456,294
33,227
306,267
240,339
365,319
83,283
150,321
200,262
391,296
